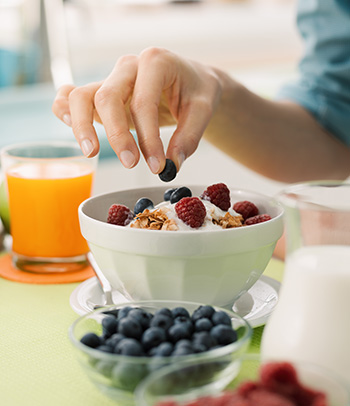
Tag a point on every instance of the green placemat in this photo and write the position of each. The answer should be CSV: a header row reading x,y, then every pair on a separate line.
x,y
37,362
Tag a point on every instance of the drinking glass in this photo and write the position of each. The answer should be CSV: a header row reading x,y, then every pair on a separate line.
x,y
46,182
311,321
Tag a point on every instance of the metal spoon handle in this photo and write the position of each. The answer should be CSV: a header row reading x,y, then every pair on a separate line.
x,y
106,287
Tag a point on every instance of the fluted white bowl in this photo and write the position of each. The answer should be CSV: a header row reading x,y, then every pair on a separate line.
x,y
213,267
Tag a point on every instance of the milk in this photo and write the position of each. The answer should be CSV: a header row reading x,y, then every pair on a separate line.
x,y
312,319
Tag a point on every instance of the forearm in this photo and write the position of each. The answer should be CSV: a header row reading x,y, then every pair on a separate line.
x,y
279,140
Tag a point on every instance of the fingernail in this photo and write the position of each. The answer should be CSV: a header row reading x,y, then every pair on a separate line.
x,y
87,147
180,159
153,163
67,119
127,158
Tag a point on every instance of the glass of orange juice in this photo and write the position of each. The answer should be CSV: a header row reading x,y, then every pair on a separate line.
x,y
46,182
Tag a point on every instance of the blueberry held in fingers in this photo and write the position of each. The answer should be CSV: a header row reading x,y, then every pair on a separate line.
x,y
169,171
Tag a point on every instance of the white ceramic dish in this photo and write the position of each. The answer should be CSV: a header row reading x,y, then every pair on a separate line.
x,y
214,267
255,306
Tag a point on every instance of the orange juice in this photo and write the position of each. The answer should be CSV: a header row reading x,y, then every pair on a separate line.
x,y
43,202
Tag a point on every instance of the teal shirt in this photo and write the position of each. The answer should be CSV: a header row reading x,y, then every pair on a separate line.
x,y
324,84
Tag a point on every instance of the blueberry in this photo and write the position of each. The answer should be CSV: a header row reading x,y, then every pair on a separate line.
x,y
182,350
91,340
129,346
223,334
141,316
105,348
164,349
184,343
152,337
127,375
179,193
221,317
203,311
160,320
169,171
168,193
203,338
203,324
109,325
165,311
130,327
104,368
179,331
186,321
180,311
123,312
114,340
142,204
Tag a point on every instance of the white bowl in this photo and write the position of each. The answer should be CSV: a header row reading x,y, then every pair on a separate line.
x,y
213,267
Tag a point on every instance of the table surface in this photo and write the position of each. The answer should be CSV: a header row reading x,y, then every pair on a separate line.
x,y
37,362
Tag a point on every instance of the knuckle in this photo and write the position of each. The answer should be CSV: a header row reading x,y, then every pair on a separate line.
x,y
114,136
103,95
155,53
126,60
203,105
79,127
78,93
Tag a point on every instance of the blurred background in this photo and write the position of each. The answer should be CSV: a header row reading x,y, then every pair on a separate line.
x,y
46,43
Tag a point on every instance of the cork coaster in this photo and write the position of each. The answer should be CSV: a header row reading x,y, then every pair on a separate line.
x,y
8,271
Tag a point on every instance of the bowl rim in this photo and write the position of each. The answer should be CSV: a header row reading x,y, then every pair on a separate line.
x,y
272,199
201,357
245,357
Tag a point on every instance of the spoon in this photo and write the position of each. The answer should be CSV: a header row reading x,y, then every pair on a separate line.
x,y
105,285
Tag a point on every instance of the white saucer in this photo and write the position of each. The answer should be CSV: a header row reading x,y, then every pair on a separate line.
x,y
255,306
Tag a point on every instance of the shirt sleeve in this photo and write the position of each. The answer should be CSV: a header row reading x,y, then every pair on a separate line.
x,y
323,87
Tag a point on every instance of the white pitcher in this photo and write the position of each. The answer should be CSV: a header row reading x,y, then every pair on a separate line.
x,y
311,322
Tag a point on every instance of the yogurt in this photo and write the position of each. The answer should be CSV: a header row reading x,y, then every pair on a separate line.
x,y
213,212
311,321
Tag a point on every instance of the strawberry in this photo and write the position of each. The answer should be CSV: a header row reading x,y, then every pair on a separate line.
x,y
246,209
260,218
119,215
191,211
218,194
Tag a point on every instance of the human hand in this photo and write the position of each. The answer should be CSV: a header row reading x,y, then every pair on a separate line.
x,y
156,88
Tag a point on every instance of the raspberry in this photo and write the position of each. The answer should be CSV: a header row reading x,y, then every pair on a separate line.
x,y
119,215
263,397
219,195
260,218
280,377
191,211
246,388
246,209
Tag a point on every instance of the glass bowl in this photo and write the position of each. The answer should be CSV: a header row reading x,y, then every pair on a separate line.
x,y
117,376
169,386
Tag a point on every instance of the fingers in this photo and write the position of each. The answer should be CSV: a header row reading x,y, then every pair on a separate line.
x,y
60,105
111,100
81,105
192,121
155,73
74,106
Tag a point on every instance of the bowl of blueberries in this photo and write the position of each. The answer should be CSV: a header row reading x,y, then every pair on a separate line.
x,y
118,346
201,243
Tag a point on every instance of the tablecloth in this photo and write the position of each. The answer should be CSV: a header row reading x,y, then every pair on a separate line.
x,y
37,363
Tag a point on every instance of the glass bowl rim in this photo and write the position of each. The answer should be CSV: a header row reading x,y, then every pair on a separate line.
x,y
201,357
